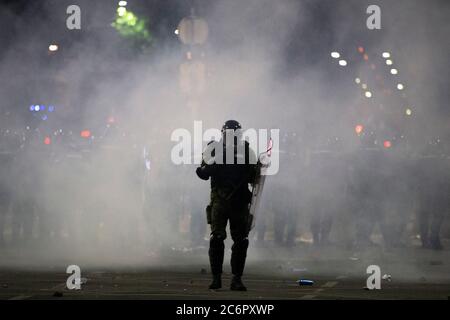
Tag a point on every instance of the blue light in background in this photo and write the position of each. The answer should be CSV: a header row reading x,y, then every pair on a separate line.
x,y
40,108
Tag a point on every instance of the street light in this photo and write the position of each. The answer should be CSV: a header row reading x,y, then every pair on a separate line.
x,y
335,55
53,47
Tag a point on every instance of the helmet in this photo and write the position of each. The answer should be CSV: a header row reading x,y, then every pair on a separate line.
x,y
232,125
233,128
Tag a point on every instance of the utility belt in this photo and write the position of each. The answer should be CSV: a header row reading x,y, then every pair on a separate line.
x,y
242,201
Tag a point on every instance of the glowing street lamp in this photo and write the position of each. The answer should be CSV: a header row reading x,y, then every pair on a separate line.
x,y
386,55
342,63
53,47
335,55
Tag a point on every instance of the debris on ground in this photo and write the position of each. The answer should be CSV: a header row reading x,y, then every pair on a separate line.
x,y
305,282
299,269
83,280
354,258
203,271
387,277
436,263
4,285
58,294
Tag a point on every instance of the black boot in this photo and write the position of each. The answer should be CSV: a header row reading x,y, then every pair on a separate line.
x,y
237,285
216,253
238,256
216,282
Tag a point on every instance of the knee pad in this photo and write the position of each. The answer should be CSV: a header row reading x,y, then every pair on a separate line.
x,y
240,244
216,240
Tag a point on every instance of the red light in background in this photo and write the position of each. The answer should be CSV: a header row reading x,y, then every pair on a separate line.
x,y
111,119
47,141
359,128
387,144
85,134
360,49
366,57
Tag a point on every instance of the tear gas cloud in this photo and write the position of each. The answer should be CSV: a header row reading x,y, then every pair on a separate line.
x,y
115,196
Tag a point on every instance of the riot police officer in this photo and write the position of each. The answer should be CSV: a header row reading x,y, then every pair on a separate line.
x,y
231,165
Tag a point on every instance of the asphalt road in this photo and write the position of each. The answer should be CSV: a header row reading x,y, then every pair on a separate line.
x,y
271,273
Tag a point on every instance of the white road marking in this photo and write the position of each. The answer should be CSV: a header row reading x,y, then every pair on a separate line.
x,y
21,297
330,284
